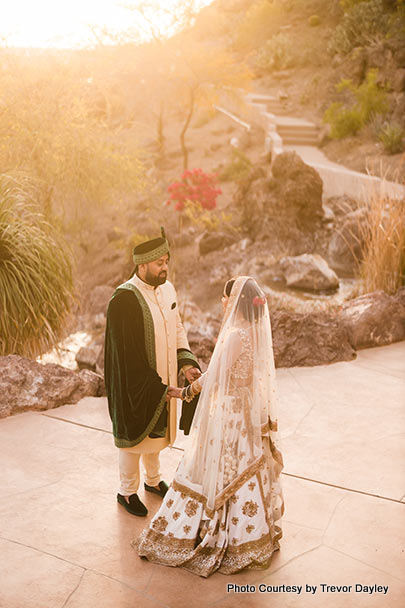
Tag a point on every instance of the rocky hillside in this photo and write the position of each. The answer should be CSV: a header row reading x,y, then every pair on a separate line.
x,y
302,51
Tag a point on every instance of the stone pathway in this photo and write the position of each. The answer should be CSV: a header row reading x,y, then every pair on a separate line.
x,y
65,541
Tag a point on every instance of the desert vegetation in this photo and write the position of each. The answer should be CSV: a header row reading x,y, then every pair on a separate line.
x,y
36,288
91,140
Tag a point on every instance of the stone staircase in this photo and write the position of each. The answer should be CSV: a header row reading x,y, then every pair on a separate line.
x,y
274,105
292,131
297,132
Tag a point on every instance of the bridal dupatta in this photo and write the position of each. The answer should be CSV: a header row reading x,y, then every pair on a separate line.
x,y
221,456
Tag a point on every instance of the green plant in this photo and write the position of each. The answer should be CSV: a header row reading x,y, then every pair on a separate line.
x,y
275,54
343,121
370,101
35,273
392,136
362,23
206,220
237,169
314,20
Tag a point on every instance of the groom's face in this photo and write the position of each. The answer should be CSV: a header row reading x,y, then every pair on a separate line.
x,y
156,271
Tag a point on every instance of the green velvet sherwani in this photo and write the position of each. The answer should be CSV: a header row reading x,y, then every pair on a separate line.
x,y
145,347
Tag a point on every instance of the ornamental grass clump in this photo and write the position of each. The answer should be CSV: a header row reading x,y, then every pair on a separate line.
x,y
36,287
383,262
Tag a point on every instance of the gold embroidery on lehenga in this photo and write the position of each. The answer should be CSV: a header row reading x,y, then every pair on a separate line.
x,y
226,494
169,503
202,560
250,508
235,520
160,524
251,486
238,483
185,491
176,515
250,528
186,529
191,508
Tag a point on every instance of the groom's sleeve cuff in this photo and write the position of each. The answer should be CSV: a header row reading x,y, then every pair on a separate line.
x,y
186,359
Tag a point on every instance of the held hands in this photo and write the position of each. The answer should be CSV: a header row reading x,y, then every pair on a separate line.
x,y
176,393
192,374
173,392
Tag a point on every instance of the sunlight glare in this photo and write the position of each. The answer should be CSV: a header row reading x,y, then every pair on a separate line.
x,y
63,23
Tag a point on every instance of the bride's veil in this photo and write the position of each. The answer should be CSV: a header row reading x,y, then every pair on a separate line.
x,y
237,405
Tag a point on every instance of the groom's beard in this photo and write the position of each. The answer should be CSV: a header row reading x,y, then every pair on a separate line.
x,y
154,280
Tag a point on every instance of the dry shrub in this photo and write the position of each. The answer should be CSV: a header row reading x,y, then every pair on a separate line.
x,y
383,264
49,129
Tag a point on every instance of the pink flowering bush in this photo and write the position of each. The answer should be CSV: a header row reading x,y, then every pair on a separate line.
x,y
196,187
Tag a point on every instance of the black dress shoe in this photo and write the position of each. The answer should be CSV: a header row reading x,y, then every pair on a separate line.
x,y
160,490
135,506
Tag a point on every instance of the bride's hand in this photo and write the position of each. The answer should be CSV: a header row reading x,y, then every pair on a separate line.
x,y
173,392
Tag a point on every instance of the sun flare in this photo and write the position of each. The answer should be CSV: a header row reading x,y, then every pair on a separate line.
x,y
69,23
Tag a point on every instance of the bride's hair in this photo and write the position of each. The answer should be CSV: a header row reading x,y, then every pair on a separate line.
x,y
252,299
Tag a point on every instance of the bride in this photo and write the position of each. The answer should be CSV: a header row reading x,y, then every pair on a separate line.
x,y
223,508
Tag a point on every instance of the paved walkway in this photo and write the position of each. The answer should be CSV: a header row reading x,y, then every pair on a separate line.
x,y
65,542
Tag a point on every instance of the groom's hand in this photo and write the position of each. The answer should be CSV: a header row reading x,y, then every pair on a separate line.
x,y
192,374
173,392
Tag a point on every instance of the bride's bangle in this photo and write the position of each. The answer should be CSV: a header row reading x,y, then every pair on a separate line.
x,y
187,393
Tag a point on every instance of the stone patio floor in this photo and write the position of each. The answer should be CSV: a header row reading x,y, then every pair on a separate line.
x,y
65,541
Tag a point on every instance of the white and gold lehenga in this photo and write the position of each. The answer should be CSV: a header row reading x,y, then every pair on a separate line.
x,y
223,508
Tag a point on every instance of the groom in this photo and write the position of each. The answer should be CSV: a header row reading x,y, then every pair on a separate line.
x,y
145,347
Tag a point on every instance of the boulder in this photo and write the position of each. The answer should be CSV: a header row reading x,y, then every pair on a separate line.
x,y
297,186
29,385
377,56
86,358
309,339
212,241
374,319
308,271
346,244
